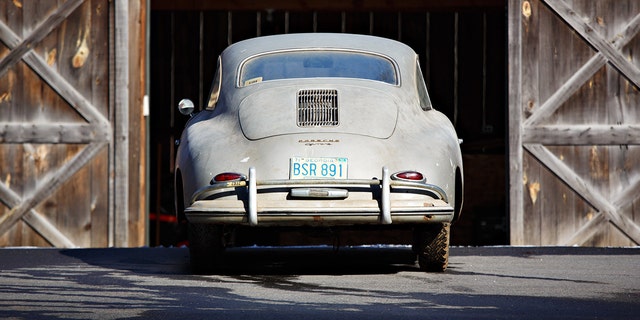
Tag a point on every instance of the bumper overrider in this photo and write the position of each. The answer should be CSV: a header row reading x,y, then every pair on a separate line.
x,y
319,202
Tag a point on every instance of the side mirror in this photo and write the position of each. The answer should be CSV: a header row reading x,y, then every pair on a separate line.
x,y
185,106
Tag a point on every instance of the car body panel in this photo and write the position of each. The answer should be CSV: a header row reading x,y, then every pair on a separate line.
x,y
271,111
382,128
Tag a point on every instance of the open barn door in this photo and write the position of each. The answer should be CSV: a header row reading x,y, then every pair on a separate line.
x,y
574,122
68,163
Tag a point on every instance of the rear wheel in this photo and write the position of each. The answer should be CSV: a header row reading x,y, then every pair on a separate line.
x,y
431,244
206,245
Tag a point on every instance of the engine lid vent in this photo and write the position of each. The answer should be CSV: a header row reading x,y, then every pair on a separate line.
x,y
317,108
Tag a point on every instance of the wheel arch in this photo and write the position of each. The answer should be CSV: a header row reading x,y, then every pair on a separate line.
x,y
179,196
458,195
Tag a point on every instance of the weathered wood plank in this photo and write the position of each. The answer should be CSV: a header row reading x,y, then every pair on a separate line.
x,y
583,75
567,90
626,225
47,230
39,223
120,169
630,30
587,32
71,213
47,133
49,185
97,67
627,196
586,232
517,21
71,95
586,191
582,134
566,174
111,202
137,144
60,85
99,200
42,31
532,175
8,197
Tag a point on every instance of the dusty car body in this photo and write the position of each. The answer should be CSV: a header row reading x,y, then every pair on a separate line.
x,y
318,130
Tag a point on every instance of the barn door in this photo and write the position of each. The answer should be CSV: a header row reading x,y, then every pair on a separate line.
x,y
574,122
63,123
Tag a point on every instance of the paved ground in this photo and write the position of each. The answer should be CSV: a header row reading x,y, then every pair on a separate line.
x,y
318,283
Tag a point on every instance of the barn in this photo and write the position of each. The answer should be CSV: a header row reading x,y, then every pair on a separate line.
x,y
544,93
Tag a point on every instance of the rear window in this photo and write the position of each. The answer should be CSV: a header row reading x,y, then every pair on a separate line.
x,y
317,64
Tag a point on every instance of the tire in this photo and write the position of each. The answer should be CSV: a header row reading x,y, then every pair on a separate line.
x,y
431,244
206,245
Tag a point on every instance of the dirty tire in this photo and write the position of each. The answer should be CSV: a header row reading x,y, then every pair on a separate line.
x,y
206,246
431,244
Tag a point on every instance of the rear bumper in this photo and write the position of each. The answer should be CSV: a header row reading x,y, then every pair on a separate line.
x,y
324,202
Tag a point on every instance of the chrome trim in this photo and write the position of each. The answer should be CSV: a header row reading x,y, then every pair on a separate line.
x,y
317,108
253,185
253,197
323,193
385,202
208,191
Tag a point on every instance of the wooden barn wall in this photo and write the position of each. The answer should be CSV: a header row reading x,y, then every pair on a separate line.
x,y
462,49
71,125
574,118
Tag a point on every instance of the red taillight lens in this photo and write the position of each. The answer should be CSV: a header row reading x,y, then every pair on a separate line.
x,y
409,175
228,176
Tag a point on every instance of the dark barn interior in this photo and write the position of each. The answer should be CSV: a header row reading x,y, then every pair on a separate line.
x,y
462,47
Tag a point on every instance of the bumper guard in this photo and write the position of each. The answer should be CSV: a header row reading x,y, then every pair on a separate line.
x,y
252,185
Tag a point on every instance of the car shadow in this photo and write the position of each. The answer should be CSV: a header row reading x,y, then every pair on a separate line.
x,y
313,260
318,260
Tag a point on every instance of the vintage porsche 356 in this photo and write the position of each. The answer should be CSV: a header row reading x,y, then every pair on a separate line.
x,y
320,130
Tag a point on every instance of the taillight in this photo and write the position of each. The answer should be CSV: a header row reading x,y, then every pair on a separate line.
x,y
408,176
228,176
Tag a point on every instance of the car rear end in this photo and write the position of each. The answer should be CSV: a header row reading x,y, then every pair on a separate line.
x,y
323,155
331,135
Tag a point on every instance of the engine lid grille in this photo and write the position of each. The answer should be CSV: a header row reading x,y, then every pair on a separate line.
x,y
317,108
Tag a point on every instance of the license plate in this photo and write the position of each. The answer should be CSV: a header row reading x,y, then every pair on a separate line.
x,y
318,168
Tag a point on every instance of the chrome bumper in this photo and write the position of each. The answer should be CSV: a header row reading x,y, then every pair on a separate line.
x,y
211,204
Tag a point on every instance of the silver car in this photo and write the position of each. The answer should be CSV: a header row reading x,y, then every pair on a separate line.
x,y
318,130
